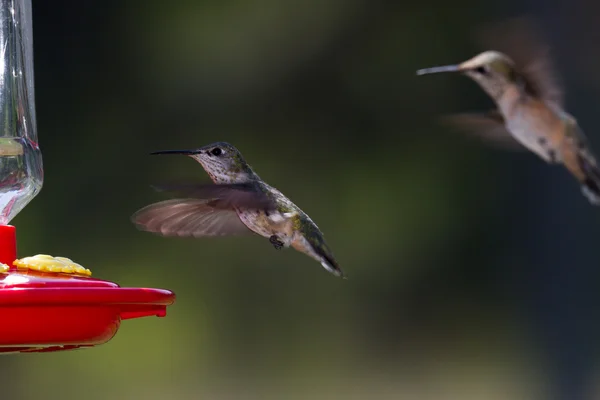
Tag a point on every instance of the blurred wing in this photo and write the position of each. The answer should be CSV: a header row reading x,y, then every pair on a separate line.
x,y
521,39
224,196
488,126
188,217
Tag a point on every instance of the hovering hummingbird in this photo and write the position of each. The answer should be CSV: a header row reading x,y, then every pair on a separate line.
x,y
239,202
529,102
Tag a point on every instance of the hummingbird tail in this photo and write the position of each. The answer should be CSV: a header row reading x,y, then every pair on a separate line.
x,y
591,180
331,265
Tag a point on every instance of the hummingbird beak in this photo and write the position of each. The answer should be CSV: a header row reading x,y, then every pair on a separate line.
x,y
435,70
186,152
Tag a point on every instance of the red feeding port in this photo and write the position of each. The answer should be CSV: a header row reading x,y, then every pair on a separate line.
x,y
50,311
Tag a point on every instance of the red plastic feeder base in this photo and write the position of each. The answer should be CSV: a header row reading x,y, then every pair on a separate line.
x,y
43,312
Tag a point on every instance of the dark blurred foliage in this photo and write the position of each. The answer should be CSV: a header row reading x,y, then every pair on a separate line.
x,y
472,271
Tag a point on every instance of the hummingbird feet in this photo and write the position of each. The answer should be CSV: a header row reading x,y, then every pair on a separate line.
x,y
278,244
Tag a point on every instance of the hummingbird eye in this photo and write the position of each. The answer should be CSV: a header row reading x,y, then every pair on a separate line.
x,y
481,70
216,151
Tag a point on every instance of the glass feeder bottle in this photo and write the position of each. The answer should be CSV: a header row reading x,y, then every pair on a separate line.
x,y
21,171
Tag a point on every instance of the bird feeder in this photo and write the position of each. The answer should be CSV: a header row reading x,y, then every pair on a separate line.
x,y
46,303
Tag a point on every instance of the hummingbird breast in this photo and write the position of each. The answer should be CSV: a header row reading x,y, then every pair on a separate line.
x,y
537,126
268,224
293,228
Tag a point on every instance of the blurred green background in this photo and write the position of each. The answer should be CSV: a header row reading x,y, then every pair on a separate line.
x,y
472,271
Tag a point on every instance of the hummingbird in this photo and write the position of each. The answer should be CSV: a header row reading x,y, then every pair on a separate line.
x,y
529,111
237,202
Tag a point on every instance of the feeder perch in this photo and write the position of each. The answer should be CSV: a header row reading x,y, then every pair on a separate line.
x,y
46,303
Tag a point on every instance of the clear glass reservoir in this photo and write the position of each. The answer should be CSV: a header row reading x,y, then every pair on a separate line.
x,y
21,171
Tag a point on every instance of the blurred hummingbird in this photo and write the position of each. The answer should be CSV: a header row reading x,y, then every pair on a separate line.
x,y
239,202
529,103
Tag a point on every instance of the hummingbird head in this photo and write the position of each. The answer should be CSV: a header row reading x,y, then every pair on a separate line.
x,y
221,161
492,70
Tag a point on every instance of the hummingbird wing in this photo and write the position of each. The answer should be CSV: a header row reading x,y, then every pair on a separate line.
x,y
224,196
521,39
188,217
488,126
